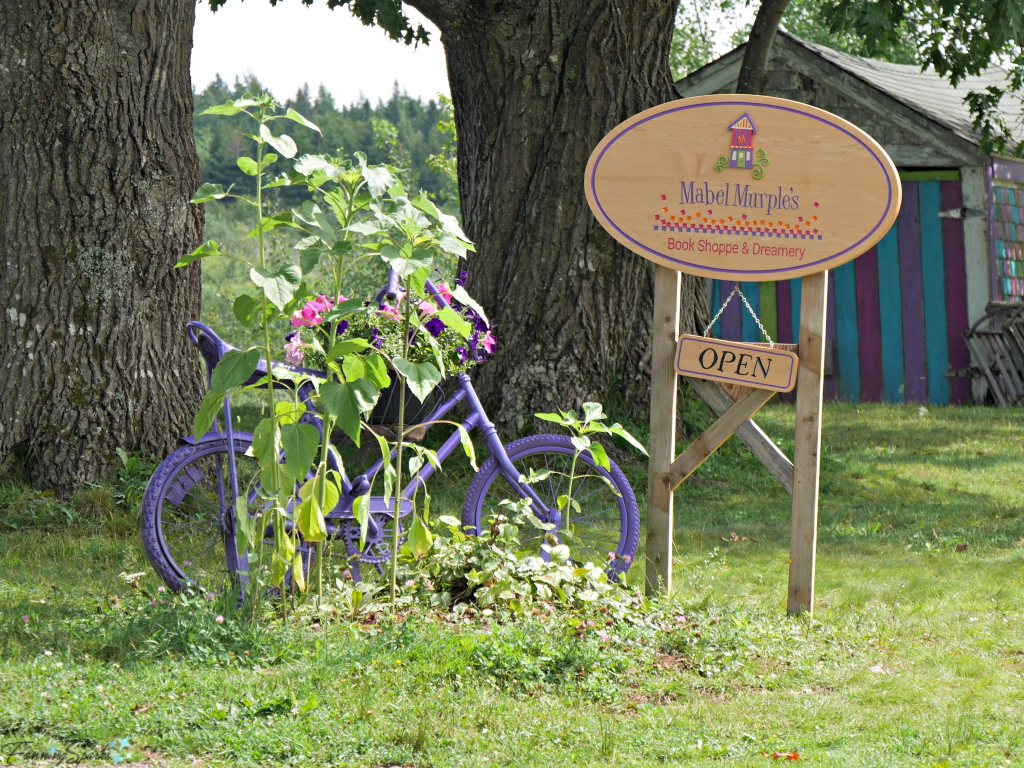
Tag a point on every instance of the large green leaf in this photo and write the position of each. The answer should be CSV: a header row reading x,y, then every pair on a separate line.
x,y
279,286
248,166
207,412
222,109
343,310
300,443
378,177
600,457
460,295
208,192
246,309
423,203
420,377
370,367
269,223
420,539
311,511
417,281
291,114
452,245
346,401
209,248
347,347
234,369
266,443
403,262
283,144
455,321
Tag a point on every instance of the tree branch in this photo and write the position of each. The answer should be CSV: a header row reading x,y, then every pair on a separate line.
x,y
441,13
759,46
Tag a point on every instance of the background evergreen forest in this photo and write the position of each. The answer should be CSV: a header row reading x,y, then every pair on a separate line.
x,y
221,141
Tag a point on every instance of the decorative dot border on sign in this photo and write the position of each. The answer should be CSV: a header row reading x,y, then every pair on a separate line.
x,y
734,231
592,182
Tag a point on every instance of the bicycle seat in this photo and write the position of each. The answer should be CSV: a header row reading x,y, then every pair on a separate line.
x,y
213,348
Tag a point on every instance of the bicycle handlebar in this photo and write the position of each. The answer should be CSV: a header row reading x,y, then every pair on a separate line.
x,y
393,290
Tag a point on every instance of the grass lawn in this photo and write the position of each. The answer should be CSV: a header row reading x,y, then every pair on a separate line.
x,y
915,656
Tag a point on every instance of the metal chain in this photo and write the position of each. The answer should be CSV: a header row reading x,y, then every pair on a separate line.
x,y
750,309
709,326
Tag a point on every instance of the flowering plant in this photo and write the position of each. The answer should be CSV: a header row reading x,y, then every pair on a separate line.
x,y
439,333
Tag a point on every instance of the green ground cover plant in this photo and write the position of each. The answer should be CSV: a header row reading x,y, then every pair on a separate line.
x,y
915,656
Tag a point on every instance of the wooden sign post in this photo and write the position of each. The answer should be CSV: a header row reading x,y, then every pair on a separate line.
x,y
740,188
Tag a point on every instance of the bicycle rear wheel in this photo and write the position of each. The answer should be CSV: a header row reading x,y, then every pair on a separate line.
x,y
606,523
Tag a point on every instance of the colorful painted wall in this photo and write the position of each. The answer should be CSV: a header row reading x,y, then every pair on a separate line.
x,y
896,314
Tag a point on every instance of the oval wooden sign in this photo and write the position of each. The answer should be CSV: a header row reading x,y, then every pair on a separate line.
x,y
743,187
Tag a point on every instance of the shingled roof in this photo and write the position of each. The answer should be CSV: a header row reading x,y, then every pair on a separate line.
x,y
925,92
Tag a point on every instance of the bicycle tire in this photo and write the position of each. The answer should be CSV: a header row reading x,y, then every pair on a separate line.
x,y
623,521
172,486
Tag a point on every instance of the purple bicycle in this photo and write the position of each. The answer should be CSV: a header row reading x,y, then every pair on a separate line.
x,y
187,516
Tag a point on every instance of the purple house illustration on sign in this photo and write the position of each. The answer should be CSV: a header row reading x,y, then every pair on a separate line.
x,y
742,149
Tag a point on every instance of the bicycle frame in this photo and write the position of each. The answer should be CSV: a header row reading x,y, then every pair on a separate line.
x,y
361,485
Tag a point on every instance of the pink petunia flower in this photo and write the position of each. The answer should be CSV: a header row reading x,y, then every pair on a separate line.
x,y
294,352
219,619
444,291
390,311
312,313
427,308
490,343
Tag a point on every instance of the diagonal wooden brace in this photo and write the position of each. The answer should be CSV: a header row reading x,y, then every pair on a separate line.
x,y
774,460
705,445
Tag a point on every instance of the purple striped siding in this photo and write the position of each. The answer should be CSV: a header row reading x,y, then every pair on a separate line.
x,y
731,318
831,386
915,372
951,196
870,327
784,312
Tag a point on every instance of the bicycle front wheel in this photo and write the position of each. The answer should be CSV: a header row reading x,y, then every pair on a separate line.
x,y
602,526
186,516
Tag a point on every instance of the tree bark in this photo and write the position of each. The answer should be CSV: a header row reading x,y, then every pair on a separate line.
x,y
97,164
536,84
754,69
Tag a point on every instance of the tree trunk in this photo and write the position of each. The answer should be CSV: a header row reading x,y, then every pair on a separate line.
x,y
536,84
97,164
754,69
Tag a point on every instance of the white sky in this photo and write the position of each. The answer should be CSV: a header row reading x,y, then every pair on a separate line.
x,y
312,45
315,45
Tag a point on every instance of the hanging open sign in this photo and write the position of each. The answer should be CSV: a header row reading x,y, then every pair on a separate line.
x,y
748,364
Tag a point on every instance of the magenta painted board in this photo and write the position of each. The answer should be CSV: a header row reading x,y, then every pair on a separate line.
x,y
784,312
830,389
915,372
870,326
784,318
956,291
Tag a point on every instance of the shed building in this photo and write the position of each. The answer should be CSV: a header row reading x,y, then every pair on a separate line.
x,y
896,314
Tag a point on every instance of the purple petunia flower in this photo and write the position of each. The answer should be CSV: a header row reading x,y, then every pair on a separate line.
x,y
342,327
461,279
473,341
434,326
462,354
377,340
480,325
